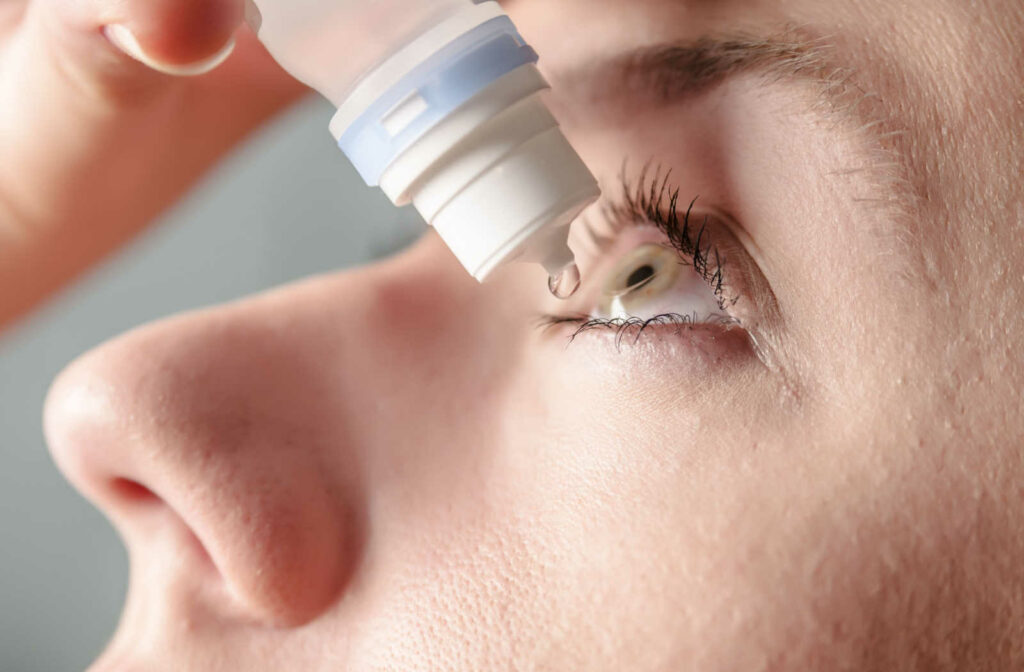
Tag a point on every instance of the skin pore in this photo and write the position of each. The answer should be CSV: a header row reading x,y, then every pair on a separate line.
x,y
397,469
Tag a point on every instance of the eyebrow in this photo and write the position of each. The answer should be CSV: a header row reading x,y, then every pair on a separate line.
x,y
674,72
671,72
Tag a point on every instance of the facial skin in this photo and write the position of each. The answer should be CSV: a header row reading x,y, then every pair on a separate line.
x,y
397,469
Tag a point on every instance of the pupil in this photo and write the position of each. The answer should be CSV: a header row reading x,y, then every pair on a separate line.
x,y
640,277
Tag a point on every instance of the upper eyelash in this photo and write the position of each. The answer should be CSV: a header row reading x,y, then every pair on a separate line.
x,y
652,200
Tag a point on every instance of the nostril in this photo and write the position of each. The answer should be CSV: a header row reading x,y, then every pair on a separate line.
x,y
151,514
133,492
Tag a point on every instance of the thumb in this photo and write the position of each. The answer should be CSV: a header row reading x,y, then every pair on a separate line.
x,y
80,84
124,38
97,140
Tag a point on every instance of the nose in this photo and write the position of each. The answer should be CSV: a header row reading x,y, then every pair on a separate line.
x,y
198,423
245,429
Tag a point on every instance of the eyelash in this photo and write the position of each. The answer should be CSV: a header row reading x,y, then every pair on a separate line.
x,y
634,326
652,200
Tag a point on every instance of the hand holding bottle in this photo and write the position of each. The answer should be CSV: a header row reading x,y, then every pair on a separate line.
x,y
109,111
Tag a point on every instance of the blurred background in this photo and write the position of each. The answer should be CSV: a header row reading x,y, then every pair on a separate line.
x,y
284,206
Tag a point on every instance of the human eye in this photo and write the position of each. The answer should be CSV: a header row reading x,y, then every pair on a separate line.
x,y
660,263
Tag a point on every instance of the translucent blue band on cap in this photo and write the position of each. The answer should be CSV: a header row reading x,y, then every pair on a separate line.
x,y
443,83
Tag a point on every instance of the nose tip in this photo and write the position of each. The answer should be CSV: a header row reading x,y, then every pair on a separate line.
x,y
75,414
213,425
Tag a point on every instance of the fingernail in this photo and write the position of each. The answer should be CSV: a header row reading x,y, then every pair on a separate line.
x,y
125,40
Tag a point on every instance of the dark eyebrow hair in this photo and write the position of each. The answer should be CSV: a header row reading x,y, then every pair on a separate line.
x,y
673,71
676,70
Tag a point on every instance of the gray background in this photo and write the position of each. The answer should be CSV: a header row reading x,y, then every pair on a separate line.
x,y
284,206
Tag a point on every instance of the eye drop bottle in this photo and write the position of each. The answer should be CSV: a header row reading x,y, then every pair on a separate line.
x,y
440,104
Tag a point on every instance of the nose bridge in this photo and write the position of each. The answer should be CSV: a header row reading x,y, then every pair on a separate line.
x,y
415,321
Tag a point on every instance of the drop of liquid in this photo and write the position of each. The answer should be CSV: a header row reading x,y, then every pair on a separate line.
x,y
566,283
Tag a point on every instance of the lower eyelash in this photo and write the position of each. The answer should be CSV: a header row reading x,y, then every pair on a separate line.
x,y
632,326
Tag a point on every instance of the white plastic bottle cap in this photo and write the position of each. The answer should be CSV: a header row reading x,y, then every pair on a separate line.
x,y
456,125
497,179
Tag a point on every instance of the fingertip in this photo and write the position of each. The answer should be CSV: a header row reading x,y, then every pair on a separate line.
x,y
124,39
178,37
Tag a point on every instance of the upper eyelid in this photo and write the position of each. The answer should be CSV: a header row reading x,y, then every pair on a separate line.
x,y
618,212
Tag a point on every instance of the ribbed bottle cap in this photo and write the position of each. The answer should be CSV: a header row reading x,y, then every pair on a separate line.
x,y
520,209
465,136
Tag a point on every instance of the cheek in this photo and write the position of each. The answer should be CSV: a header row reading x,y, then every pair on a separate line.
x,y
664,504
606,488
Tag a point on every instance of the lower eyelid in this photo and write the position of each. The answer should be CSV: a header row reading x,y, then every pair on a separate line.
x,y
635,325
672,323
680,352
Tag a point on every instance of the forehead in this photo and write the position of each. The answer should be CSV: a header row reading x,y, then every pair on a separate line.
x,y
919,35
904,56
